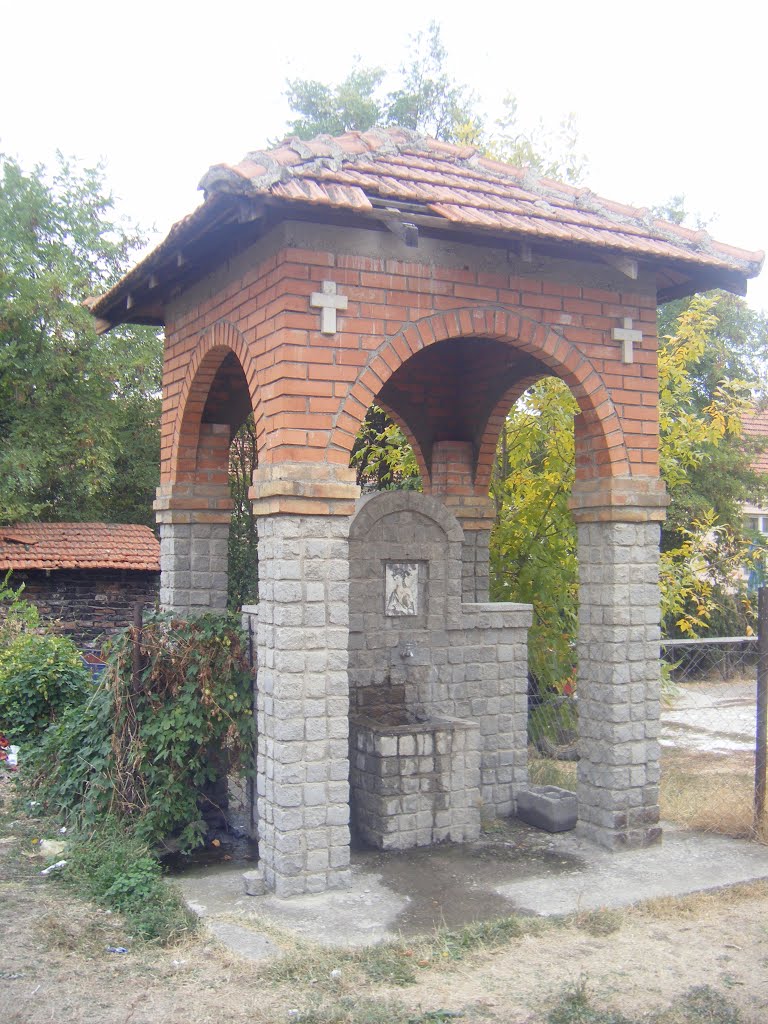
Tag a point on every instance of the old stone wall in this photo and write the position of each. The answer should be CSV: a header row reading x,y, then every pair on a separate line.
x,y
302,703
88,604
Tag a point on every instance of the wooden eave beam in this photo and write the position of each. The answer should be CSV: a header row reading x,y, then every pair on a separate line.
x,y
702,280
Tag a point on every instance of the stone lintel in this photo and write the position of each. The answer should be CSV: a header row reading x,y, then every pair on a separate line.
x,y
193,503
301,506
196,515
619,500
299,488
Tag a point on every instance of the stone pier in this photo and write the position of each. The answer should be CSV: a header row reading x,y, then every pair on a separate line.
x,y
619,666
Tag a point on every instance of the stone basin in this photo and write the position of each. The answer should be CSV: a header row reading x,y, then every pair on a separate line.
x,y
414,783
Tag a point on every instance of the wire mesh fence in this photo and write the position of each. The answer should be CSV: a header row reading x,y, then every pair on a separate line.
x,y
707,736
708,721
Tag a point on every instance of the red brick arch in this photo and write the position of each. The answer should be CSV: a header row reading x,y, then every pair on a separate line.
x,y
214,345
600,439
409,436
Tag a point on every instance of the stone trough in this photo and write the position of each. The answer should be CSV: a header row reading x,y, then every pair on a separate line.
x,y
415,783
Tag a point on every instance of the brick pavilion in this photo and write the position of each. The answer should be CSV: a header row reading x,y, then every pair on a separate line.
x,y
320,277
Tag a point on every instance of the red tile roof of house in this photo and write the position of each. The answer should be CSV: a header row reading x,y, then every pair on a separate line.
x,y
383,174
757,426
78,546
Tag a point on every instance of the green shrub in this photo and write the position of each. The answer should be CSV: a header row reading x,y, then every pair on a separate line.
x,y
40,676
144,750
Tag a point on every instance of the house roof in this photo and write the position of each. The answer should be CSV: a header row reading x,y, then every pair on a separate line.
x,y
78,546
393,178
757,426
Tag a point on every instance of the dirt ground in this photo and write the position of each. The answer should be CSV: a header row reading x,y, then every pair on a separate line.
x,y
54,965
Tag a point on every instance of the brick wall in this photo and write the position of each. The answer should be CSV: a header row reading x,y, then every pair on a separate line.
x,y
311,391
86,604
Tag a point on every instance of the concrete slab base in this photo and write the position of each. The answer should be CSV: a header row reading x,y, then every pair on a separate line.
x,y
519,869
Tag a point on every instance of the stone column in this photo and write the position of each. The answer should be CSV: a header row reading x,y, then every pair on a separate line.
x,y
194,531
451,480
193,514
619,674
302,684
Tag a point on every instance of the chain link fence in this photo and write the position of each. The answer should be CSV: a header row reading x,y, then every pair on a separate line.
x,y
707,735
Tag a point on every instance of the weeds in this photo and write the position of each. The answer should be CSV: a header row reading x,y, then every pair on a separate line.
x,y
116,870
398,963
700,1005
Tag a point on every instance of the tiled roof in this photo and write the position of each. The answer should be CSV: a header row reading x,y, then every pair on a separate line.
x,y
78,546
757,426
459,185
440,185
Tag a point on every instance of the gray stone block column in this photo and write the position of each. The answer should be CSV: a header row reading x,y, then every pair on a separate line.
x,y
619,673
194,531
302,682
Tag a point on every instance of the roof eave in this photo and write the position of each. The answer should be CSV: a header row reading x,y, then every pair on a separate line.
x,y
140,296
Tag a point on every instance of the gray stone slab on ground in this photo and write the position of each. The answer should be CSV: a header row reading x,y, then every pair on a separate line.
x,y
684,863
528,871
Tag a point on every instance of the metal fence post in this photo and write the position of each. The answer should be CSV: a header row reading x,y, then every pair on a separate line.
x,y
761,730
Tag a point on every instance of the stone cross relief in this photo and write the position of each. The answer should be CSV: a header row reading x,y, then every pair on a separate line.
x,y
627,336
328,302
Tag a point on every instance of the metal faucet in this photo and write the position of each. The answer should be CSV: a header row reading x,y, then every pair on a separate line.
x,y
406,650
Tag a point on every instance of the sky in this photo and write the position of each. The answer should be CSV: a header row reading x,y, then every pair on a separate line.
x,y
669,97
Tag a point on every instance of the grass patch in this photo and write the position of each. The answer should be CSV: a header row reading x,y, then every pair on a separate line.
x,y
544,771
114,869
700,903
700,1005
398,963
597,922
710,793
368,1011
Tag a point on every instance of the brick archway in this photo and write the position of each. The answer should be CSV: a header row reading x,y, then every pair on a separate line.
x,y
214,346
600,438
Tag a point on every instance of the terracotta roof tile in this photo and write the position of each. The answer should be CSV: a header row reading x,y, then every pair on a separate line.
x,y
455,182
454,185
78,546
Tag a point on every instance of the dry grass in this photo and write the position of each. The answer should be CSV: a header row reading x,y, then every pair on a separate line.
x,y
706,792
710,793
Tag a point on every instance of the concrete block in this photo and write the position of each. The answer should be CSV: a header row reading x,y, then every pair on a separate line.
x,y
548,807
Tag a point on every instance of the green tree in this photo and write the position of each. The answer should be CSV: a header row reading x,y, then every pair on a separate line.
x,y
429,101
382,456
426,100
533,543
78,413
323,109
713,351
243,558
550,152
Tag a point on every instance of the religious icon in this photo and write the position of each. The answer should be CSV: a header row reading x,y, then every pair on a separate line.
x,y
402,588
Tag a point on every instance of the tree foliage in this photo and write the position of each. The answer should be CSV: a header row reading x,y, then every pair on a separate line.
x,y
144,750
428,100
382,456
78,413
533,544
41,674
243,560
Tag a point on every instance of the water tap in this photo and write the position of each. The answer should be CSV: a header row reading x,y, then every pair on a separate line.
x,y
406,650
